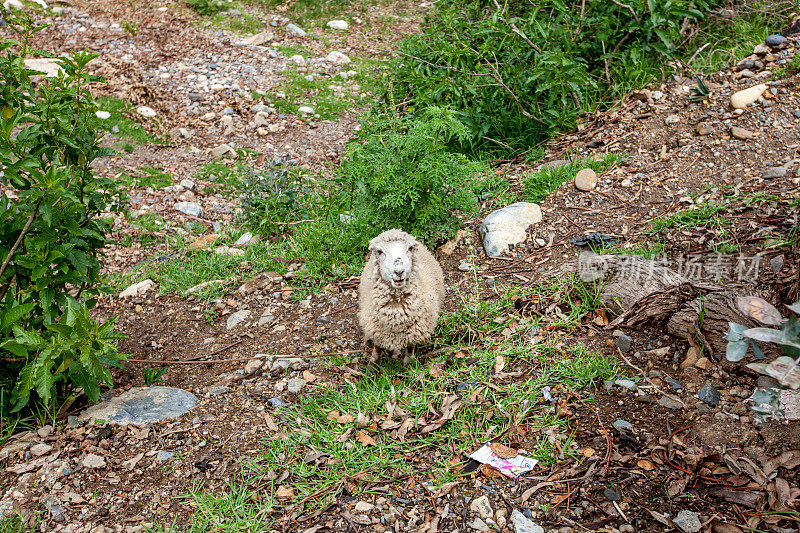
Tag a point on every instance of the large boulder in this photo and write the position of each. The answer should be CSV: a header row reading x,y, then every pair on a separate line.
x,y
141,405
508,226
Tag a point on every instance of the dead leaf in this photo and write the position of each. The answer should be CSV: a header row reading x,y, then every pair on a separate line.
x,y
403,429
788,459
490,471
308,376
344,437
779,494
742,497
644,464
363,420
284,492
450,405
759,309
503,451
345,419
499,363
436,370
271,425
364,438
677,486
587,451
724,527
333,415
131,463
600,318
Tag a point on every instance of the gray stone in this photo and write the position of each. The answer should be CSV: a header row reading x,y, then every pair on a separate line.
x,y
466,265
482,507
478,525
774,172
237,318
295,385
260,39
294,30
188,184
223,150
138,289
190,208
623,342
625,384
363,507
669,403
93,461
674,383
218,390
709,395
164,456
508,226
276,403
141,405
324,319
767,382
523,524
672,119
775,40
776,263
688,521
621,425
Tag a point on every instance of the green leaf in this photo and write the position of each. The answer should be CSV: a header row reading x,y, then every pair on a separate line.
x,y
736,350
14,314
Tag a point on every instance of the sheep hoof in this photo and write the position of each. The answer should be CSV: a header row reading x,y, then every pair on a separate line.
x,y
373,355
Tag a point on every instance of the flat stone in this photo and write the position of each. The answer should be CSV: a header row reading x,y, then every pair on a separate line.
x,y
93,461
363,507
482,507
625,384
704,363
776,263
260,39
141,405
669,403
218,390
688,521
692,355
745,97
163,456
244,239
190,208
295,385
478,525
708,395
253,365
507,226
223,150
40,449
188,184
623,342
672,119
294,30
741,133
523,524
237,318
703,129
305,110
586,179
774,172
138,289
338,24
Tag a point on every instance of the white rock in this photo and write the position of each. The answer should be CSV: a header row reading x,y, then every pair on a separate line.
x,y
102,115
295,385
338,24
261,119
745,97
338,58
138,289
188,184
253,365
223,150
482,507
508,226
363,507
244,239
299,60
147,112
295,30
586,179
45,65
227,250
13,4
523,524
305,110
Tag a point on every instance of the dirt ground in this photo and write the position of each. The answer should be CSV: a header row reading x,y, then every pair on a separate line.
x,y
627,477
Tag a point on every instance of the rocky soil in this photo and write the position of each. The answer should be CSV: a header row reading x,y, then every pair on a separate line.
x,y
670,445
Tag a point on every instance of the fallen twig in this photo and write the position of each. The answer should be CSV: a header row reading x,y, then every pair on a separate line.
x,y
650,381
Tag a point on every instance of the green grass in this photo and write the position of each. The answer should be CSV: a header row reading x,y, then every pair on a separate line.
x,y
288,50
706,215
129,129
538,185
227,178
297,91
243,24
648,250
18,523
147,176
415,392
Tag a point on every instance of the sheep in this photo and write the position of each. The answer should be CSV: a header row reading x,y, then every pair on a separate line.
x,y
400,293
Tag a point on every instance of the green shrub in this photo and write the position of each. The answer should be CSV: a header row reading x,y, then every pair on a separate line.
x,y
273,198
402,175
209,7
517,72
50,228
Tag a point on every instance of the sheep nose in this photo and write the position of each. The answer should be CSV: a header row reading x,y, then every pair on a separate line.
x,y
398,272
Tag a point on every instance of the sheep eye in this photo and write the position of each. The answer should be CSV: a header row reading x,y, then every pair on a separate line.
x,y
411,248
379,252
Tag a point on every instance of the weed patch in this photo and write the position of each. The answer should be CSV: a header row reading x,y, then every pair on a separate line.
x,y
538,185
121,125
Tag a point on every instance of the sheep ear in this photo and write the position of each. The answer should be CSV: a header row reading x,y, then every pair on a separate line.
x,y
413,247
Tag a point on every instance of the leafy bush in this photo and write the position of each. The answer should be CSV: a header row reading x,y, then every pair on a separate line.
x,y
402,175
273,198
784,369
50,228
517,72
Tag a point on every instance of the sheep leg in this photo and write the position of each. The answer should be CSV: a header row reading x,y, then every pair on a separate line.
x,y
373,355
408,356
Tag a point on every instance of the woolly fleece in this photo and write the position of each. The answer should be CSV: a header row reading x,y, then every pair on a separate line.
x,y
395,319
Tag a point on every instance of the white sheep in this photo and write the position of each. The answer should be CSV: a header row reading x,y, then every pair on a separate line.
x,y
400,293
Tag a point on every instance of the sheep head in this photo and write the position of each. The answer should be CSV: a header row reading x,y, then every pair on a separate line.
x,y
395,257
